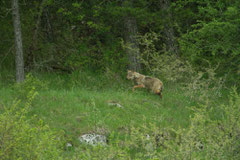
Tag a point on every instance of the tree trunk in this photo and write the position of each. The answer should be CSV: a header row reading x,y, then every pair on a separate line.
x,y
18,42
132,47
171,43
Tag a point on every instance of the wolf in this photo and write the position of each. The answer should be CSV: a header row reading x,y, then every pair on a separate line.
x,y
142,81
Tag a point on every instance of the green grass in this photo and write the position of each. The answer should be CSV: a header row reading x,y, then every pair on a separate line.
x,y
78,104
80,110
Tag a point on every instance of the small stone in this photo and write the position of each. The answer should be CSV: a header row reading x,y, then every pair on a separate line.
x,y
112,103
68,145
93,139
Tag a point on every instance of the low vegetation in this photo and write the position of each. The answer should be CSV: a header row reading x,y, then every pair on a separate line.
x,y
53,110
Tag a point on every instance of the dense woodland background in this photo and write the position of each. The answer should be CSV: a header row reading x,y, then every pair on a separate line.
x,y
96,35
74,56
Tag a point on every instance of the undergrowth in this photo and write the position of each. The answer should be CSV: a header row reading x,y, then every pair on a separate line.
x,y
22,137
176,127
205,138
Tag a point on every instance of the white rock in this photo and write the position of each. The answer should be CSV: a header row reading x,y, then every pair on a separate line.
x,y
68,145
93,139
115,104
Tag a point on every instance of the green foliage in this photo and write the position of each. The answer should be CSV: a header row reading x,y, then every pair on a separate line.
x,y
208,138
168,67
30,84
24,138
102,48
212,34
213,39
97,58
171,68
87,35
7,45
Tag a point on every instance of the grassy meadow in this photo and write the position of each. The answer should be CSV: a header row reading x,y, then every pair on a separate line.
x,y
78,103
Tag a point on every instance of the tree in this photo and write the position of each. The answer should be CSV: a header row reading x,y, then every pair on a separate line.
x,y
18,42
168,29
132,47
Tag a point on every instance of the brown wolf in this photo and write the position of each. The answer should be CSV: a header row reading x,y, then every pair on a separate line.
x,y
142,81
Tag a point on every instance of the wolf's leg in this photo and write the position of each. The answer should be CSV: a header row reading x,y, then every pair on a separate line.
x,y
138,86
160,95
158,92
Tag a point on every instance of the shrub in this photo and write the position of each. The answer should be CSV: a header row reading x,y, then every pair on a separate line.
x,y
26,138
197,82
21,90
208,138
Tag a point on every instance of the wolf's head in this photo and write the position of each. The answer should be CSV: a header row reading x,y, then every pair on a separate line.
x,y
131,75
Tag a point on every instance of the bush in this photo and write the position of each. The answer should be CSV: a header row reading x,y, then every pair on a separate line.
x,y
31,83
24,138
208,138
197,82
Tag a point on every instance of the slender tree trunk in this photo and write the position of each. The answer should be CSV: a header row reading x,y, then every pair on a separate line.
x,y
18,42
171,43
132,47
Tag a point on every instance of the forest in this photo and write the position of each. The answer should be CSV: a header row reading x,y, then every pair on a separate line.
x,y
66,90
